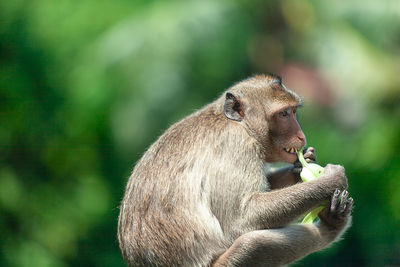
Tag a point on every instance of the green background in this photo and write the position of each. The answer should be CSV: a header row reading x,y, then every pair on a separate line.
x,y
86,86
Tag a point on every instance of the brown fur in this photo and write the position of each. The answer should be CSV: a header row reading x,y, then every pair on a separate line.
x,y
199,195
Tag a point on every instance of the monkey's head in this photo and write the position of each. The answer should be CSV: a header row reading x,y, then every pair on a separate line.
x,y
267,109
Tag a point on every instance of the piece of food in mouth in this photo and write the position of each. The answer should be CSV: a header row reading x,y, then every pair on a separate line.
x,y
310,171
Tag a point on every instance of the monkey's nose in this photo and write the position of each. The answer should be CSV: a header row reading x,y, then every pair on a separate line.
x,y
302,138
301,135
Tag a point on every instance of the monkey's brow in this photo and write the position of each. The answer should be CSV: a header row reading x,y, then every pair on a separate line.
x,y
296,106
284,107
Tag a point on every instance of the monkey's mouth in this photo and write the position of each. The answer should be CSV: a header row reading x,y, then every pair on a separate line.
x,y
290,150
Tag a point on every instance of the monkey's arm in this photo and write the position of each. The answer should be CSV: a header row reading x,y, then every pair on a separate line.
x,y
276,247
280,207
282,177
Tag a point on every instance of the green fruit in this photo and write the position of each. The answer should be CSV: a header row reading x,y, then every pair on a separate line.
x,y
310,171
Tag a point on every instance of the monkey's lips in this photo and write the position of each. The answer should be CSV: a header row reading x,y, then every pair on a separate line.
x,y
290,154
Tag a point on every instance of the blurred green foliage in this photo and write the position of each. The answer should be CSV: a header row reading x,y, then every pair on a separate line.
x,y
86,86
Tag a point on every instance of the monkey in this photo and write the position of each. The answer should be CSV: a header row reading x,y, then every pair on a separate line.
x,y
199,196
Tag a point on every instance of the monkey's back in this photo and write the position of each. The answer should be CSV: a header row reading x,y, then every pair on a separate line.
x,y
167,216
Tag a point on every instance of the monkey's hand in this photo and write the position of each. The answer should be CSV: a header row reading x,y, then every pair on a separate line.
x,y
336,214
309,156
334,177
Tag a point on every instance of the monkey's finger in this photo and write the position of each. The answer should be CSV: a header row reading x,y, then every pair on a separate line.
x,y
310,149
343,201
349,206
335,200
297,170
297,167
297,164
310,156
310,159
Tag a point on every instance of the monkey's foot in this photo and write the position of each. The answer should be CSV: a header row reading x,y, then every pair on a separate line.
x,y
337,213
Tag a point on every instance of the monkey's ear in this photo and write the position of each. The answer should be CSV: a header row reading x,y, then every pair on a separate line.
x,y
233,108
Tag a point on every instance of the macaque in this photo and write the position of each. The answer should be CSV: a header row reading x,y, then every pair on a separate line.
x,y
200,196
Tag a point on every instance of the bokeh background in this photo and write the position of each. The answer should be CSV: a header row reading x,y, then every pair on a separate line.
x,y
86,86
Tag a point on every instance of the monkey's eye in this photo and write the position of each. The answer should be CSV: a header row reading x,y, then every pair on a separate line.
x,y
285,113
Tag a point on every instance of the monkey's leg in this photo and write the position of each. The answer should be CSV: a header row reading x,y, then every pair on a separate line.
x,y
276,247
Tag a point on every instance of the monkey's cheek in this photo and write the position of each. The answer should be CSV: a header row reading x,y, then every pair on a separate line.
x,y
293,160
288,157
